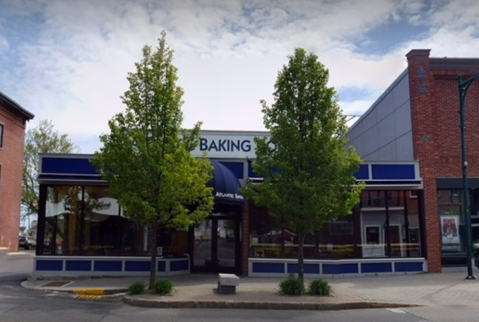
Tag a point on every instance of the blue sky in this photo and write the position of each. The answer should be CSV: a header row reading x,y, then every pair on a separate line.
x,y
67,60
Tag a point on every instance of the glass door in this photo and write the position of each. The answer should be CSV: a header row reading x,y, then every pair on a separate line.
x,y
216,245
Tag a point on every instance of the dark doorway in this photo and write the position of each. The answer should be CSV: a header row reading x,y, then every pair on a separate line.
x,y
216,245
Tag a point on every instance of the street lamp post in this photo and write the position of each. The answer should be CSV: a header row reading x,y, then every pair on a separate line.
x,y
463,88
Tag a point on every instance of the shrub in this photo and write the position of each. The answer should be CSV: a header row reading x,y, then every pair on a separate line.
x,y
320,287
292,286
163,287
136,288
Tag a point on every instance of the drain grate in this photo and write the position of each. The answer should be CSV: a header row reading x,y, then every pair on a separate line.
x,y
56,284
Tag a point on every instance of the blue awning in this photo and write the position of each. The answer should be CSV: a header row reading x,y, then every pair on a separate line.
x,y
226,187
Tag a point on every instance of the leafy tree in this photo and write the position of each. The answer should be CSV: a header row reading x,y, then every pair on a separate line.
x,y
147,157
307,165
40,139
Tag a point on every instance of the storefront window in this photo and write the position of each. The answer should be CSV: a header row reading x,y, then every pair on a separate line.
x,y
384,224
474,195
172,243
63,220
453,230
267,236
373,221
450,216
100,222
86,220
334,241
389,222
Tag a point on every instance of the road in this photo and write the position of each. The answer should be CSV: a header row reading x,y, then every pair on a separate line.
x,y
18,304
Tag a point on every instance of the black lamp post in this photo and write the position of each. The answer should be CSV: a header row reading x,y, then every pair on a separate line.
x,y
463,88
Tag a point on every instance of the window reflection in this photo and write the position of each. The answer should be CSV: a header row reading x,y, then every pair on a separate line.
x,y
87,220
384,224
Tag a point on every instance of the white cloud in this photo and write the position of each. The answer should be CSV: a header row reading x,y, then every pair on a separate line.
x,y
3,44
228,53
3,40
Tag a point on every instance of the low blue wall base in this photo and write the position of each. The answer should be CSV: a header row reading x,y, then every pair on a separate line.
x,y
269,267
107,266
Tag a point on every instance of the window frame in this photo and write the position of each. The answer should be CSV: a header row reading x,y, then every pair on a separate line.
x,y
2,128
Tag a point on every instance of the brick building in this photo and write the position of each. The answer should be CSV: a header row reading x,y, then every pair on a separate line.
x,y
13,120
417,118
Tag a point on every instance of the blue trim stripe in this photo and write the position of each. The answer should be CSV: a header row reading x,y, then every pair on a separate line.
x,y
330,269
78,265
251,173
363,173
137,266
268,268
393,172
75,167
49,265
376,267
236,167
336,269
179,265
161,266
408,267
308,268
107,266
67,166
349,268
69,178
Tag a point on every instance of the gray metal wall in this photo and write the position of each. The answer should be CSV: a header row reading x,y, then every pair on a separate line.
x,y
384,132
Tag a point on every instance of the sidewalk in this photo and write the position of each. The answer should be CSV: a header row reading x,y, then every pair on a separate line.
x,y
199,291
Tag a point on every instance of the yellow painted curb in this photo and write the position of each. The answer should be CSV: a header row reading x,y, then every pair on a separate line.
x,y
88,297
86,291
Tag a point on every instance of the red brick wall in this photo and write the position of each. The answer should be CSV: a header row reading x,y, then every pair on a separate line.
x,y
11,160
436,134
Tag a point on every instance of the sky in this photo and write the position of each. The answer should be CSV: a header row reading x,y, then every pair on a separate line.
x,y
67,60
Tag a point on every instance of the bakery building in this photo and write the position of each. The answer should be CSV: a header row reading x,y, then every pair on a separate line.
x,y
83,231
410,217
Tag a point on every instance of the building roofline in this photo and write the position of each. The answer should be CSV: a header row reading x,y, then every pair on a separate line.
x,y
462,64
16,106
418,52
234,132
403,74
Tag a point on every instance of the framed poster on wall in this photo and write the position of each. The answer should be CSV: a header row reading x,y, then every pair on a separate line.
x,y
372,235
450,229
373,241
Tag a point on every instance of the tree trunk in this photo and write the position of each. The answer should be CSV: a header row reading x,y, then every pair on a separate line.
x,y
153,253
301,256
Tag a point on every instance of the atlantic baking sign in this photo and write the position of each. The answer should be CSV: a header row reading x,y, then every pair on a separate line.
x,y
219,145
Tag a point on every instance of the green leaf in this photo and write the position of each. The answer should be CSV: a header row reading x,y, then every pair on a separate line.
x,y
40,139
309,169
146,158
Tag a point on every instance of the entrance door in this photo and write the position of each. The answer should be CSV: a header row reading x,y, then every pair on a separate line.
x,y
216,245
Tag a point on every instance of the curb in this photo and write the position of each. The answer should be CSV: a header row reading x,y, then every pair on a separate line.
x,y
97,291
164,304
90,291
78,291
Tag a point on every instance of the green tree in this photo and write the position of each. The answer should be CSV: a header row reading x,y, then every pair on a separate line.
x,y
40,139
147,159
307,164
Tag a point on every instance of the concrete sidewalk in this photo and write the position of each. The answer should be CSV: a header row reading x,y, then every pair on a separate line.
x,y
199,291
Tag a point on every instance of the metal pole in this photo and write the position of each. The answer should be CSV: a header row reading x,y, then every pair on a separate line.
x,y
463,87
